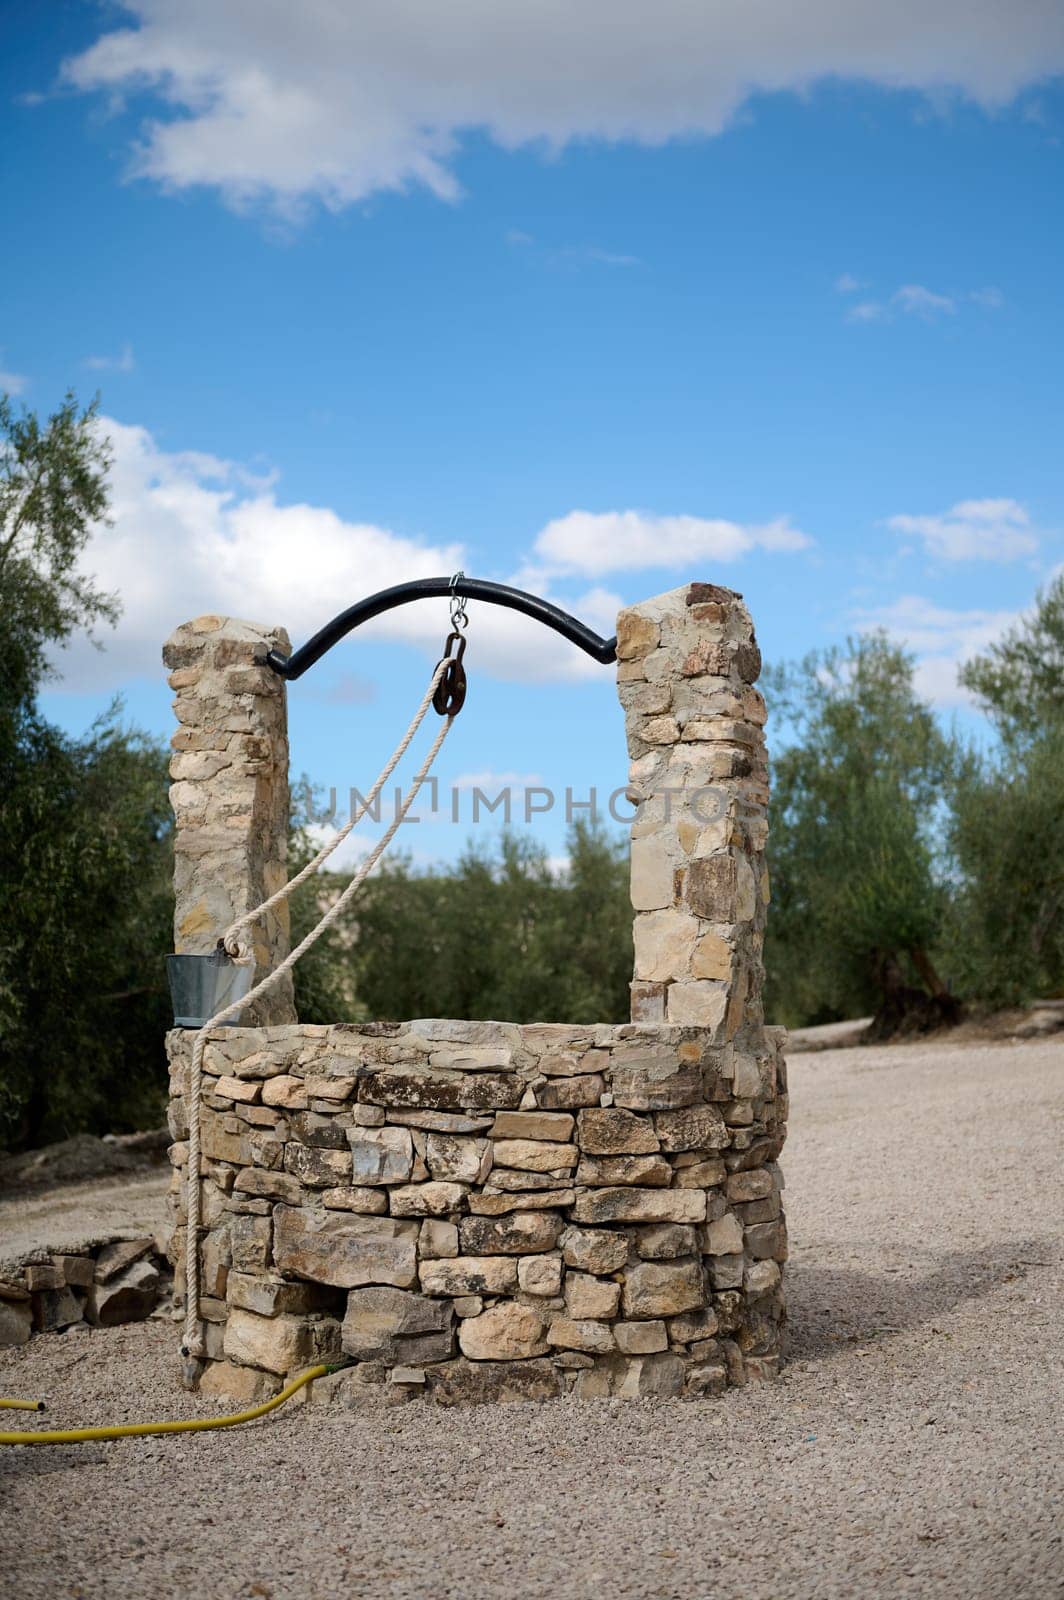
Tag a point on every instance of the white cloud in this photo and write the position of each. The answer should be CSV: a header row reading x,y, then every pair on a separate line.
x,y
594,543
123,362
916,301
570,255
940,638
348,689
192,533
973,530
589,255
846,283
866,311
490,782
12,382
275,102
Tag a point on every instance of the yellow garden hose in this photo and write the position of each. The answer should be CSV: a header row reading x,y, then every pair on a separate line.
x,y
135,1430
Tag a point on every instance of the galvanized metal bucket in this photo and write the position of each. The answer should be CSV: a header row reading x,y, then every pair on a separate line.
x,y
201,986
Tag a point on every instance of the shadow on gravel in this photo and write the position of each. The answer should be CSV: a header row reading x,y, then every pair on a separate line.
x,y
44,1460
833,1308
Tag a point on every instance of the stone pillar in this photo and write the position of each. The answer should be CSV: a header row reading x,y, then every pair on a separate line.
x,y
687,662
230,792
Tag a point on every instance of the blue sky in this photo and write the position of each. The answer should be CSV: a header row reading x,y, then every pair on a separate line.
x,y
778,310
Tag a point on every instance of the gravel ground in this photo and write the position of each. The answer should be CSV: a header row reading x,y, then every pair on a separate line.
x,y
913,1446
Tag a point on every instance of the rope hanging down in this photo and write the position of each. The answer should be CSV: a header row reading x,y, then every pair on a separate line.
x,y
193,1340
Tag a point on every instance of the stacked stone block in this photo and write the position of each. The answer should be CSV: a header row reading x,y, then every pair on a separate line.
x,y
230,792
485,1209
687,664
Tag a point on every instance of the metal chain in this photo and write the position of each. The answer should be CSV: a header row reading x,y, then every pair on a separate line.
x,y
459,616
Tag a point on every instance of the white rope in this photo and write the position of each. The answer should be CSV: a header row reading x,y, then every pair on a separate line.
x,y
229,938
193,1341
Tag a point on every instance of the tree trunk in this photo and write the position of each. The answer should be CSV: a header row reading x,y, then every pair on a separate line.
x,y
922,962
904,1011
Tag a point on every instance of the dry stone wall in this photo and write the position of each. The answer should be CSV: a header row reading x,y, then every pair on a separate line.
x,y
496,1211
498,1207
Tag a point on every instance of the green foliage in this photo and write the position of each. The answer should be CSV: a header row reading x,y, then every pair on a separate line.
x,y
500,936
1020,680
85,911
324,978
856,817
1007,832
84,826
53,488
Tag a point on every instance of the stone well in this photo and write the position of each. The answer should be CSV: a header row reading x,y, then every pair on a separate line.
x,y
488,1209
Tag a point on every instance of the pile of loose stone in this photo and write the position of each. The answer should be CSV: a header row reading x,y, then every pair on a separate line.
x,y
103,1282
486,1208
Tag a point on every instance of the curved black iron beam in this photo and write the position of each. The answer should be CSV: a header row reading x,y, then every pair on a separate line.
x,y
498,594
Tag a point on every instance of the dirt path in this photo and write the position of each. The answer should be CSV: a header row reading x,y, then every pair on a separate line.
x,y
71,1213
912,1448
